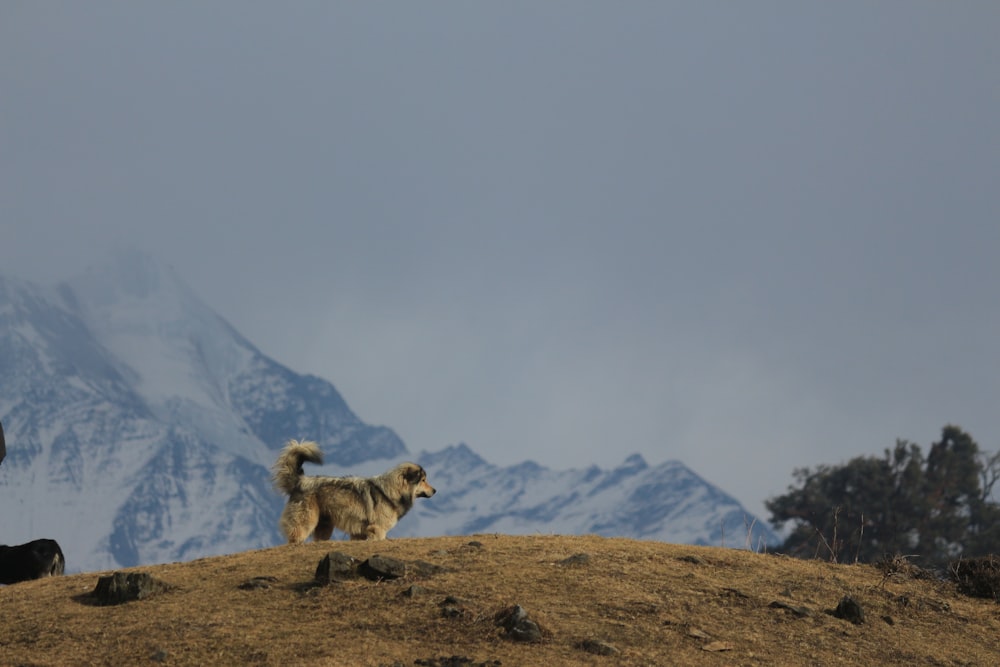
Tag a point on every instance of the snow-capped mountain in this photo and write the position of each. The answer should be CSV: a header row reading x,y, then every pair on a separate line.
x,y
667,502
140,427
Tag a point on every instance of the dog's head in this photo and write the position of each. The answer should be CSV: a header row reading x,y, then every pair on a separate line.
x,y
416,477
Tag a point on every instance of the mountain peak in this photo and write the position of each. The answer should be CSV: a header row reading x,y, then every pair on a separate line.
x,y
460,455
635,462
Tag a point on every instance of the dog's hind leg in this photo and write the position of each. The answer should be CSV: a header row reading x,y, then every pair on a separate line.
x,y
298,521
324,529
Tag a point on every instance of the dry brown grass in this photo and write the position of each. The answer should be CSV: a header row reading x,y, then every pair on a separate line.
x,y
659,604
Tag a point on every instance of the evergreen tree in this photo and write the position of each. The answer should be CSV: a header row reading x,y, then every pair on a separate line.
x,y
935,508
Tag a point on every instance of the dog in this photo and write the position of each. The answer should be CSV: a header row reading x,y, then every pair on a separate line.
x,y
32,560
365,508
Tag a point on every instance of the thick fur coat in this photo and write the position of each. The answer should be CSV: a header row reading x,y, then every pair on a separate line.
x,y
33,560
365,508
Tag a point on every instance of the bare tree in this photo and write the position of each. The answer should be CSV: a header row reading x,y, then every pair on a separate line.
x,y
989,472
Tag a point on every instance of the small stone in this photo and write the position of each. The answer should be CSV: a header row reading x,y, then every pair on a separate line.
x,y
452,607
450,611
119,587
525,631
517,624
336,566
379,567
849,610
413,591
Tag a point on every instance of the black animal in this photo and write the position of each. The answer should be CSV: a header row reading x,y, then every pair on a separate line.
x,y
32,560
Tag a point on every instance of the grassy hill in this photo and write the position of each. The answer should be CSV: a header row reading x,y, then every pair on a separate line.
x,y
653,603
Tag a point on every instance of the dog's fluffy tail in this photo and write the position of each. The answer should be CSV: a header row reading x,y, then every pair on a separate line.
x,y
288,468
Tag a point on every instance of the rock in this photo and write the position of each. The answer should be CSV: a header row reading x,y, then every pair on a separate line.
x,y
849,610
453,607
453,612
413,591
598,647
517,626
336,566
119,587
379,567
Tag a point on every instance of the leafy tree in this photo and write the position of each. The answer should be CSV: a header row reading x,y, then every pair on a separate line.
x,y
936,507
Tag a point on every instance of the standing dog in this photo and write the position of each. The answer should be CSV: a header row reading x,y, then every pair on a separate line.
x,y
365,508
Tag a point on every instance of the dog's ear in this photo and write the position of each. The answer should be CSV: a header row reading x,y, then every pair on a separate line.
x,y
414,474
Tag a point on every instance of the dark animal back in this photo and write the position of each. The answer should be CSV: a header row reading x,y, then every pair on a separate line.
x,y
32,560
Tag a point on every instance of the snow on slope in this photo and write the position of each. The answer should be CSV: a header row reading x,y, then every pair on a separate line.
x,y
177,353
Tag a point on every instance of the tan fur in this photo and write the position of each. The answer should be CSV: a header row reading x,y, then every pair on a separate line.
x,y
365,508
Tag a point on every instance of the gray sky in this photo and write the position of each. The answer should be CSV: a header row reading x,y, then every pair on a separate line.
x,y
749,236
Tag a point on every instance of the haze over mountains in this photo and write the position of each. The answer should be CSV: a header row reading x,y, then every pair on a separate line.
x,y
140,428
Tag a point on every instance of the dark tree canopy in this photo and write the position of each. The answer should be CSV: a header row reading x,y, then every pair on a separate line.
x,y
935,508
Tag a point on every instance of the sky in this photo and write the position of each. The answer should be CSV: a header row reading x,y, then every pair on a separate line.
x,y
751,237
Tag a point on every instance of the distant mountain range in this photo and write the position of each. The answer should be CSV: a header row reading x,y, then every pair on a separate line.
x,y
140,428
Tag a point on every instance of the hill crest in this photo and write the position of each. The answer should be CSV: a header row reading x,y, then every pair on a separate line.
x,y
654,603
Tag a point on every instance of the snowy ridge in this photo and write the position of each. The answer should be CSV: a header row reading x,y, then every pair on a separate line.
x,y
667,502
141,427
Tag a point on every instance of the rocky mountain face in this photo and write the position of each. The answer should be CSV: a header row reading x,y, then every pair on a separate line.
x,y
140,427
